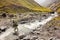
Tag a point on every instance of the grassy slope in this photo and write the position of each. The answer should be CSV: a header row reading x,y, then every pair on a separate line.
x,y
30,4
14,9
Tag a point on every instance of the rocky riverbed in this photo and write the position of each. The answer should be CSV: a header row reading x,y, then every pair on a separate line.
x,y
11,28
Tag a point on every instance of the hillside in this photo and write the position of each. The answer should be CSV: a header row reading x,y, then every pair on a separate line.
x,y
29,4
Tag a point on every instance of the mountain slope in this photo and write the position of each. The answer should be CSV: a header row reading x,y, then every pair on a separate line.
x,y
30,4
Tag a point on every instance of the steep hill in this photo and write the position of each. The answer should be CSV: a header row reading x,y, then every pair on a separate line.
x,y
29,4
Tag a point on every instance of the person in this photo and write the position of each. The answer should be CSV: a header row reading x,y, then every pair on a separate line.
x,y
15,27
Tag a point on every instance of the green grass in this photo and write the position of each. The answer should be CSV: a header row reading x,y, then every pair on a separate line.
x,y
29,5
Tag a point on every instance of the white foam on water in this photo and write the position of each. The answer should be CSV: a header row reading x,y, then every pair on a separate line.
x,y
26,28
9,31
36,24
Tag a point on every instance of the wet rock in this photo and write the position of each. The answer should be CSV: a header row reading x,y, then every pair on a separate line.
x,y
55,28
16,39
44,15
21,37
3,15
51,39
51,12
23,22
3,30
